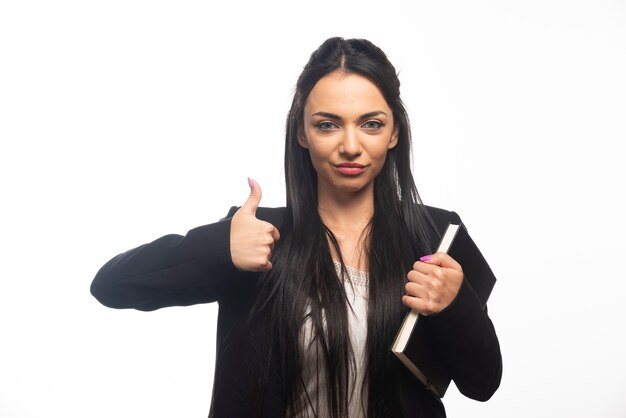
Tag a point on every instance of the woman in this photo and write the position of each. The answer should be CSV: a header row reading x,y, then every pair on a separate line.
x,y
312,295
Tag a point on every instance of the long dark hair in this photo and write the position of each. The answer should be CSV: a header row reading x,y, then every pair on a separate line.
x,y
304,285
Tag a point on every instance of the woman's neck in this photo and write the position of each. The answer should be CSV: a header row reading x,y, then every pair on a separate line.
x,y
347,216
346,212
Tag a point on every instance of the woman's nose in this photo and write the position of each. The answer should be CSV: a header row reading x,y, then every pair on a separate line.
x,y
350,145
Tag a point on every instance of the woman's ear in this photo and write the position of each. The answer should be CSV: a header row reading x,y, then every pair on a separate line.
x,y
302,139
394,138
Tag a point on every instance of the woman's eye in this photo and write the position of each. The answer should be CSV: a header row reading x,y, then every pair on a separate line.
x,y
373,124
325,126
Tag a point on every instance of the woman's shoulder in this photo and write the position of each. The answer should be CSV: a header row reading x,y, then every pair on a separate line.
x,y
275,216
442,216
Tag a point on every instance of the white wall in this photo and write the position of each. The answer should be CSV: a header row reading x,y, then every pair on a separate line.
x,y
123,121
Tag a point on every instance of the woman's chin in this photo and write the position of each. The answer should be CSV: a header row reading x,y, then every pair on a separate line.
x,y
348,187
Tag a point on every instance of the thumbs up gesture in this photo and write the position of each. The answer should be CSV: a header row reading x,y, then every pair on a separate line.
x,y
251,239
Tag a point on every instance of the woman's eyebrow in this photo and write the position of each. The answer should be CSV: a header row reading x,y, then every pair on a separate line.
x,y
364,116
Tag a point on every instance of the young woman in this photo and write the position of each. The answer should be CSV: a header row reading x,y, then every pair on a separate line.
x,y
312,295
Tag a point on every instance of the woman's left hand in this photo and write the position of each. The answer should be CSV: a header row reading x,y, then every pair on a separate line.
x,y
433,283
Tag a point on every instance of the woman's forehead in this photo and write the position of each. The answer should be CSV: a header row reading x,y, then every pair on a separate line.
x,y
345,94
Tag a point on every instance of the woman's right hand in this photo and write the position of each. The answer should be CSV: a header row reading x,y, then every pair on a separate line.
x,y
251,239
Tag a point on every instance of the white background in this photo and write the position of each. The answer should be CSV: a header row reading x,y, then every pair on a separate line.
x,y
122,121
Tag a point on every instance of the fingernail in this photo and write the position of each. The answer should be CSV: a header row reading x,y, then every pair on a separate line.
x,y
250,182
426,258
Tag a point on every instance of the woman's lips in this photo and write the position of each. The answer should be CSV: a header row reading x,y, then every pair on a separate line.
x,y
350,170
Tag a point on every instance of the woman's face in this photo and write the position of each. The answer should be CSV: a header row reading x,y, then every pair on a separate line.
x,y
348,128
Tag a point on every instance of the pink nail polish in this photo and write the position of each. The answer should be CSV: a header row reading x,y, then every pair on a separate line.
x,y
250,183
426,258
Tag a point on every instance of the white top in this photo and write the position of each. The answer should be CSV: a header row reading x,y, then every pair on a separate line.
x,y
357,292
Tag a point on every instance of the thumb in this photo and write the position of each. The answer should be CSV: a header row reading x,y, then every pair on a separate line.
x,y
254,199
441,259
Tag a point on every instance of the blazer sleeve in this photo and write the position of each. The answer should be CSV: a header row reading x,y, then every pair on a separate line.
x,y
466,337
173,270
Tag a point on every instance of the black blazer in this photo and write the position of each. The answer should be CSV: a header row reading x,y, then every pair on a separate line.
x,y
177,270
